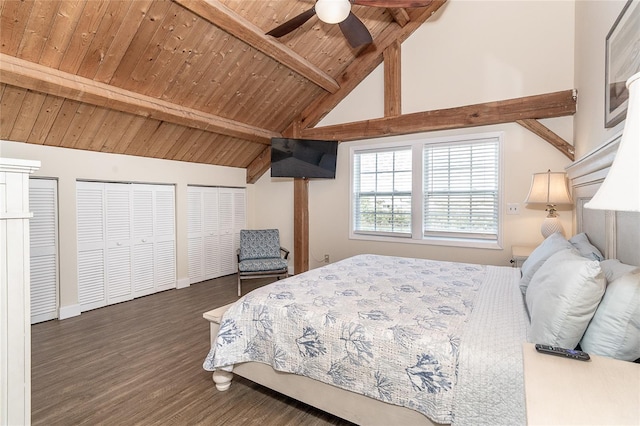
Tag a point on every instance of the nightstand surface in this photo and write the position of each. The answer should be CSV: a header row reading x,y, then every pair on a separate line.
x,y
520,253
562,391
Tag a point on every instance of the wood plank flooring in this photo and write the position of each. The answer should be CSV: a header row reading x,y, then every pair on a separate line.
x,y
140,363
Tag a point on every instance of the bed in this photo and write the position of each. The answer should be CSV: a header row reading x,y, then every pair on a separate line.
x,y
382,367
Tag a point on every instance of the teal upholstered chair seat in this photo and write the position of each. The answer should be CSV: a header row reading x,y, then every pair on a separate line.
x,y
256,265
261,256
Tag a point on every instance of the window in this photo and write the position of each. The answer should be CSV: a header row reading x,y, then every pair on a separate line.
x,y
382,191
461,189
443,191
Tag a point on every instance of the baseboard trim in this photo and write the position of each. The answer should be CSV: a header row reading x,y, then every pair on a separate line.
x,y
69,311
182,283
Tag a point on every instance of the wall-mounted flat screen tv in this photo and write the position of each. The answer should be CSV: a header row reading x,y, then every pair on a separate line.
x,y
303,158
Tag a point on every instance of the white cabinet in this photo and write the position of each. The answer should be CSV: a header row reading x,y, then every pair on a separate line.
x,y
43,201
215,217
126,241
15,327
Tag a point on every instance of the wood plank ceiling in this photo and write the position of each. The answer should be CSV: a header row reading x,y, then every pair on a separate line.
x,y
198,81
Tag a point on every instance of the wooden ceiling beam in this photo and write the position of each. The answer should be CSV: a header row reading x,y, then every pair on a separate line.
x,y
27,75
399,15
525,109
392,80
221,16
548,135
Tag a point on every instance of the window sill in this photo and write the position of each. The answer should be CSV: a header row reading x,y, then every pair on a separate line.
x,y
449,242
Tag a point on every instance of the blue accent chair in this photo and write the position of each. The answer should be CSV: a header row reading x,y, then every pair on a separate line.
x,y
260,255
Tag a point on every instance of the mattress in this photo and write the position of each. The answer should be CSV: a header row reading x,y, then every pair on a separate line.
x,y
394,329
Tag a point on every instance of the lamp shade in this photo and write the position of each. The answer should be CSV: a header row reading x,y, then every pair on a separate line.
x,y
621,188
333,11
549,188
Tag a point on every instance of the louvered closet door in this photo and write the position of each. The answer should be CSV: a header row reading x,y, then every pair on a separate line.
x,y
43,202
195,248
154,255
211,233
90,206
227,244
239,219
164,237
143,252
119,237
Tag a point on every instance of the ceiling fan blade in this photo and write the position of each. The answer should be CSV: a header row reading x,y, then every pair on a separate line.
x,y
393,3
355,31
292,23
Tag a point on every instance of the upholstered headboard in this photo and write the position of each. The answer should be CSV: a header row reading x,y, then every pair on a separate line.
x,y
616,234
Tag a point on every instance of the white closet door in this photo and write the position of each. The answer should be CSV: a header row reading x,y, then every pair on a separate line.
x,y
211,233
43,202
239,209
215,217
119,238
195,248
239,219
204,233
228,260
91,245
164,237
143,253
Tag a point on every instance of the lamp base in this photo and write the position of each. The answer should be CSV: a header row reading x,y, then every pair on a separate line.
x,y
551,225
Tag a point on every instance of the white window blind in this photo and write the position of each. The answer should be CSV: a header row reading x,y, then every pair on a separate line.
x,y
382,191
461,189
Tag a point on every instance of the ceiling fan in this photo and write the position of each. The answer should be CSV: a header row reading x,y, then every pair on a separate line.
x,y
339,12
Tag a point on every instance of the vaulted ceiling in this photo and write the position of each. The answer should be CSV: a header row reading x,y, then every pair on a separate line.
x,y
199,81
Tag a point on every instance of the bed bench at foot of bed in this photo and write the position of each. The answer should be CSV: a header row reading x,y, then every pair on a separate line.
x,y
348,405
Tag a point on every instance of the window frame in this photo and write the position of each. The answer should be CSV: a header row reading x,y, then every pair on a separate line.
x,y
417,233
392,193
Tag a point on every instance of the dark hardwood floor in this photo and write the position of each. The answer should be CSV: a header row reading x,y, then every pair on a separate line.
x,y
140,362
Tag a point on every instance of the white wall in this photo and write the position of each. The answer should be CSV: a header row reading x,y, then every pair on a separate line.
x,y
594,19
474,51
69,165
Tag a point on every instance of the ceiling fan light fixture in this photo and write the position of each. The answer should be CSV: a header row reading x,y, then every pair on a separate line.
x,y
333,11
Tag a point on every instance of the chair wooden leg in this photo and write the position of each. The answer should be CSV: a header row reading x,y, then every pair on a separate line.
x,y
239,286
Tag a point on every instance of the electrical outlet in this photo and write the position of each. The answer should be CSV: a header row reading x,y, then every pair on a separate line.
x,y
326,258
513,208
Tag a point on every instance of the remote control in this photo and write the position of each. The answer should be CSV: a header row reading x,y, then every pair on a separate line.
x,y
563,352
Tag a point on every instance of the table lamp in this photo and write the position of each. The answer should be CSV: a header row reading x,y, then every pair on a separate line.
x,y
550,189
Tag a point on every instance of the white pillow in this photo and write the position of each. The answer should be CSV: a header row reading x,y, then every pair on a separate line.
x,y
552,244
614,330
583,245
614,269
562,298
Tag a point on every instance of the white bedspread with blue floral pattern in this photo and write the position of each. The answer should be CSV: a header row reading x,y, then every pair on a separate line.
x,y
386,327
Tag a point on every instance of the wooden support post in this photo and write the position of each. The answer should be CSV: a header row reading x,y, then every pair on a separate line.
x,y
300,225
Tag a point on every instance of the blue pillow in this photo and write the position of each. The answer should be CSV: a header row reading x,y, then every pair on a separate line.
x,y
583,245
551,245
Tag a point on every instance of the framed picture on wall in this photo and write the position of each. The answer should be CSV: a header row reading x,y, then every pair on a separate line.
x,y
622,61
